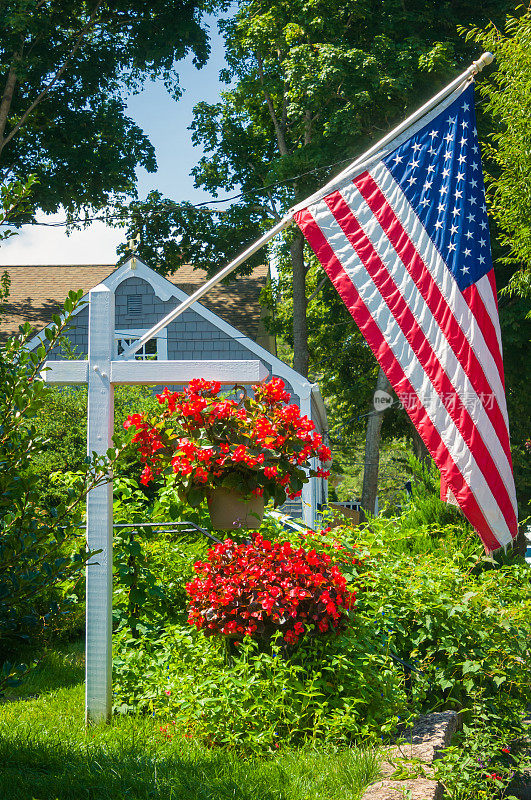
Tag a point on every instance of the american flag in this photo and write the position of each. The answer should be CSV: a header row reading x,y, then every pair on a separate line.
x,y
405,240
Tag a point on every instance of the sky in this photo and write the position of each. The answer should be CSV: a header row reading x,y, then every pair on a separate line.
x,y
166,124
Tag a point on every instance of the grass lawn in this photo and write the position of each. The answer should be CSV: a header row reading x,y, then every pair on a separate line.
x,y
46,754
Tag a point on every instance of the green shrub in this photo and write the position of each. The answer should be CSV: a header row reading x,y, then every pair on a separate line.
x,y
62,422
335,690
423,505
41,549
152,563
436,625
486,755
459,632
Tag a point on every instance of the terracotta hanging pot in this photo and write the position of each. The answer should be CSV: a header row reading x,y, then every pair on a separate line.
x,y
229,510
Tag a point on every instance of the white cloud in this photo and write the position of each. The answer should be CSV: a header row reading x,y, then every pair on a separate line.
x,y
42,245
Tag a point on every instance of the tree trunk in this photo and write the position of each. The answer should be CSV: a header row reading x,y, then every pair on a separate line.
x,y
372,448
419,448
5,103
300,325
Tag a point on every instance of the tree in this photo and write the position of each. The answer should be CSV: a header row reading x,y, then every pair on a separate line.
x,y
372,446
311,85
507,101
15,199
65,68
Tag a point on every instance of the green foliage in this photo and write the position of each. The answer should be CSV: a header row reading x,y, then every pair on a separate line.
x,y
459,623
41,549
336,688
435,625
67,67
346,480
507,100
15,199
424,506
62,423
333,690
507,163
153,562
485,755
454,628
516,334
309,86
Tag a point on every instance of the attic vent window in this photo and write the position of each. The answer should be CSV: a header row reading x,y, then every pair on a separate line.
x,y
134,305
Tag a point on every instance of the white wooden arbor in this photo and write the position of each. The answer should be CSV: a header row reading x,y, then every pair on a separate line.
x,y
101,373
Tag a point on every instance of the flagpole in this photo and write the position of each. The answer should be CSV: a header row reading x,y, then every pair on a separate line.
x,y
473,69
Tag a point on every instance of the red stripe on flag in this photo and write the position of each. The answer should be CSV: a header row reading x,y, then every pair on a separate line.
x,y
394,372
476,305
422,348
436,302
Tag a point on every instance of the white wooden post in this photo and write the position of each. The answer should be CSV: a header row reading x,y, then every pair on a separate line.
x,y
98,667
308,490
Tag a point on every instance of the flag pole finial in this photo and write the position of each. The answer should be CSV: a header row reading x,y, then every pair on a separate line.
x,y
483,61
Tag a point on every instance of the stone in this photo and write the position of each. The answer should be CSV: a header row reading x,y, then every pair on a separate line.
x,y
413,754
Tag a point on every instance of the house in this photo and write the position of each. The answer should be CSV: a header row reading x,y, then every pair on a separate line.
x,y
227,325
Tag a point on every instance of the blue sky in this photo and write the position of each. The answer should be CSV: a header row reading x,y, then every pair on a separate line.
x,y
166,124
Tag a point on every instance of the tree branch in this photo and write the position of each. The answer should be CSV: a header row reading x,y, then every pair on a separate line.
x,y
284,115
317,290
51,82
307,126
274,212
281,139
7,96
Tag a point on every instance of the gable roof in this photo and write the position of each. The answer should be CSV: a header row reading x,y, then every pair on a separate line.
x,y
164,289
38,291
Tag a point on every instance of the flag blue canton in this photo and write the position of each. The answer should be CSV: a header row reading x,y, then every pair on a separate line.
x,y
439,171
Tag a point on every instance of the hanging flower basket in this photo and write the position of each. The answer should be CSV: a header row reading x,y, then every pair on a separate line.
x,y
249,449
230,510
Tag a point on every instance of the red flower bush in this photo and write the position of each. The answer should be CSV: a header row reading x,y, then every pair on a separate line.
x,y
259,588
259,445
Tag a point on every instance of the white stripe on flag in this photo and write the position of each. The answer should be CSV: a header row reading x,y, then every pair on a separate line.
x,y
485,291
412,368
436,337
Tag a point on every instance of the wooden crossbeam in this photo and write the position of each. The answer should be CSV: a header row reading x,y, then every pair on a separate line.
x,y
135,373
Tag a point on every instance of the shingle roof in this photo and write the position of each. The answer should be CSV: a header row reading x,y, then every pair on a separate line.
x,y
38,291
237,302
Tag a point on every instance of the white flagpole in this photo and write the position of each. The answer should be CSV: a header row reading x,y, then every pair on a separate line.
x,y
472,70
